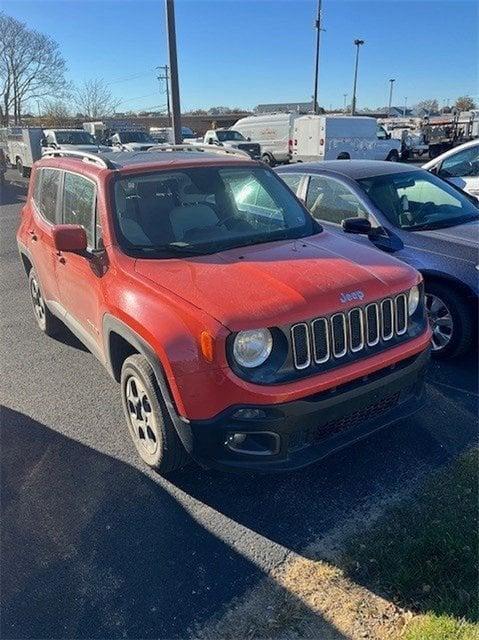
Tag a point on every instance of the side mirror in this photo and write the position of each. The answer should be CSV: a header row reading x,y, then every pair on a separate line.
x,y
357,225
69,238
248,139
211,141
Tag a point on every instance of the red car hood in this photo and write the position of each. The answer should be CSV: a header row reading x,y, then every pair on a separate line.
x,y
281,282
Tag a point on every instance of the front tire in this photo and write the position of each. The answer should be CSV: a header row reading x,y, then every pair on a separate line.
x,y
150,425
46,321
269,160
450,319
393,156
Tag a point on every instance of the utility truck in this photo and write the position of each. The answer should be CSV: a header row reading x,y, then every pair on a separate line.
x,y
71,140
273,132
22,146
232,139
342,138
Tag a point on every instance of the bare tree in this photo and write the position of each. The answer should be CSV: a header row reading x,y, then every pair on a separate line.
x,y
56,112
465,103
94,99
429,106
31,67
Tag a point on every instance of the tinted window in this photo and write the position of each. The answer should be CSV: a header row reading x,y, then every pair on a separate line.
x,y
79,203
293,180
462,164
332,201
50,179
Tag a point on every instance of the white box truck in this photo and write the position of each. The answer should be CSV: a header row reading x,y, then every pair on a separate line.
x,y
273,132
342,137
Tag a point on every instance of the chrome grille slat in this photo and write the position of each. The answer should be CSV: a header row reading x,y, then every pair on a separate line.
x,y
300,342
372,311
320,330
356,323
323,339
400,305
339,334
387,319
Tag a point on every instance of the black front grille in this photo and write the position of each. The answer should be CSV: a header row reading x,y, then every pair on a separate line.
x,y
326,339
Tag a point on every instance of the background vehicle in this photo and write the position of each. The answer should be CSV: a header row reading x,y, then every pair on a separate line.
x,y
460,166
131,140
240,332
416,217
165,134
73,140
23,147
341,137
233,140
273,132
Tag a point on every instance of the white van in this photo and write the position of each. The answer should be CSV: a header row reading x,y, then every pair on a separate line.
x,y
273,132
342,137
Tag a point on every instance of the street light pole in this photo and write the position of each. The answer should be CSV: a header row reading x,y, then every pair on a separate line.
x,y
316,66
358,43
175,90
391,81
405,107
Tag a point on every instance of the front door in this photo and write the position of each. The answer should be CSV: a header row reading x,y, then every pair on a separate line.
x,y
462,169
80,276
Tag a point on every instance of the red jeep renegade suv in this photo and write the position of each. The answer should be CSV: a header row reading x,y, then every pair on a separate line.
x,y
241,333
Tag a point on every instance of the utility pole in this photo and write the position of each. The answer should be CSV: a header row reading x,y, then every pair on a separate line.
x,y
317,25
391,81
405,107
358,43
175,90
345,96
166,77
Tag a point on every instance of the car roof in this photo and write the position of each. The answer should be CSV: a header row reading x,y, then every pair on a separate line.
x,y
354,169
147,160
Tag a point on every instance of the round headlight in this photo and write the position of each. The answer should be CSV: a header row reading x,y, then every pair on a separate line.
x,y
413,300
251,348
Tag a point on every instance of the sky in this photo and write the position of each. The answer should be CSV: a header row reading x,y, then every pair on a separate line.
x,y
246,52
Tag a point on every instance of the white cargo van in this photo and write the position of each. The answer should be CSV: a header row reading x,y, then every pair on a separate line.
x,y
342,137
273,132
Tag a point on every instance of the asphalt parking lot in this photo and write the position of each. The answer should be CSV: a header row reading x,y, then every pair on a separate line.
x,y
96,546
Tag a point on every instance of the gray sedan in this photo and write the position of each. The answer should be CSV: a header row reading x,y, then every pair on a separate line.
x,y
413,215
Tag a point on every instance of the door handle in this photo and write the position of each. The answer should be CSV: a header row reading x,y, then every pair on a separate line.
x,y
33,234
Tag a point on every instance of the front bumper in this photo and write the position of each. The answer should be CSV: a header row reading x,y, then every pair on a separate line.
x,y
294,434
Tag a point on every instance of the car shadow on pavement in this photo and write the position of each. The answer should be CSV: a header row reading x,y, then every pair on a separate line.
x,y
12,193
295,508
93,548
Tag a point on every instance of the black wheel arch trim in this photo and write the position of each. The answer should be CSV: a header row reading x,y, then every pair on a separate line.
x,y
447,279
114,325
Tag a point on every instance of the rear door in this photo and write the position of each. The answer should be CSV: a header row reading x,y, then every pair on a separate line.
x,y
80,276
45,214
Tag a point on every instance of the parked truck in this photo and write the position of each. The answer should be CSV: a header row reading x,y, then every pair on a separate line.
x,y
232,139
342,138
273,132
72,140
22,146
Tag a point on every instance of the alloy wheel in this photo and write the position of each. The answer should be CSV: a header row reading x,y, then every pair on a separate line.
x,y
38,302
142,419
440,321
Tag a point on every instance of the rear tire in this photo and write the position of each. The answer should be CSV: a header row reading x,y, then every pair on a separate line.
x,y
344,156
268,159
150,425
46,321
451,320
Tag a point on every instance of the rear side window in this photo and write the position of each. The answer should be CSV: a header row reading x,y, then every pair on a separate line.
x,y
79,199
49,180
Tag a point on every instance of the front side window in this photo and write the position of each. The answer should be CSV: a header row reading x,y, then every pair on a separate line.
x,y
134,136
74,137
48,197
332,201
293,180
79,198
205,210
419,200
463,164
224,136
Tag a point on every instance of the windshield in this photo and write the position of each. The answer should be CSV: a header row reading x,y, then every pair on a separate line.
x,y
205,210
74,137
224,136
419,200
135,136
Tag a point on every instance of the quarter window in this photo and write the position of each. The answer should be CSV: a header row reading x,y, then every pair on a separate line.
x,y
293,180
48,196
332,201
79,204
